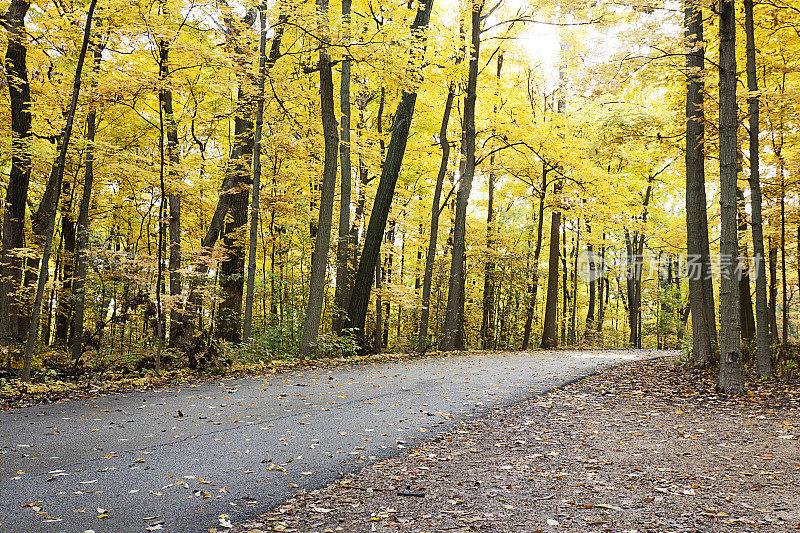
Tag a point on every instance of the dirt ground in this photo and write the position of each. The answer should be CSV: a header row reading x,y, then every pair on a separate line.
x,y
645,447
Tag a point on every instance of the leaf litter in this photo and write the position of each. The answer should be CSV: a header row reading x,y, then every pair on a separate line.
x,y
644,447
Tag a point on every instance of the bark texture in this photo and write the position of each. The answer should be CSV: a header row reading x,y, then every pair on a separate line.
x,y
730,363
701,295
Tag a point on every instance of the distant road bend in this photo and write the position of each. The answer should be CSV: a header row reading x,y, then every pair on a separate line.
x,y
175,459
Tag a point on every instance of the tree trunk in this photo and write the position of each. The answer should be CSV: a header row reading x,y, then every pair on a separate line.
x,y
81,266
359,299
453,315
230,183
255,212
590,312
573,326
701,296
730,361
319,262
534,281
343,273
430,258
62,156
602,295
746,317
17,190
550,328
487,322
66,299
177,328
784,293
772,310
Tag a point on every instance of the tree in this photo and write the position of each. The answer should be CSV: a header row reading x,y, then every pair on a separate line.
x,y
730,364
19,92
33,328
82,242
454,315
255,204
343,273
550,327
487,323
319,262
430,257
763,357
701,292
359,297
231,269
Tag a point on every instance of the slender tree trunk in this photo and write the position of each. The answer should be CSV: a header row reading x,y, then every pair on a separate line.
x,y
343,273
16,71
784,293
573,325
534,282
359,299
230,183
590,312
177,327
430,258
83,221
322,244
37,305
565,302
454,316
66,298
487,323
602,295
746,317
255,205
773,293
376,335
701,295
730,362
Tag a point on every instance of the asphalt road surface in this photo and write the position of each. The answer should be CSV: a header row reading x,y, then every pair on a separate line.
x,y
175,459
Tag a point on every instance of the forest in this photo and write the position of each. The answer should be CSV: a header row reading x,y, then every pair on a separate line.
x,y
186,179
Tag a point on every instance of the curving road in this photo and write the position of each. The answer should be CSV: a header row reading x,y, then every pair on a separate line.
x,y
176,459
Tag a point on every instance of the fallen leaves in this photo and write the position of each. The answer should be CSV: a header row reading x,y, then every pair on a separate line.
x,y
631,449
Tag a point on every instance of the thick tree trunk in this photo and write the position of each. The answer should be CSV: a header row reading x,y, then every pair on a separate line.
x,y
730,361
701,295
453,315
319,261
231,269
550,329
19,91
359,299
343,272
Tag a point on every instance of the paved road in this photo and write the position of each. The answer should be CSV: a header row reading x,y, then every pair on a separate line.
x,y
176,459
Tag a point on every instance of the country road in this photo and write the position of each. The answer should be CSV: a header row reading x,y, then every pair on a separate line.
x,y
175,459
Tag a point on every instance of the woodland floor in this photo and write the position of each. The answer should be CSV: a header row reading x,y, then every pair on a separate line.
x,y
646,446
